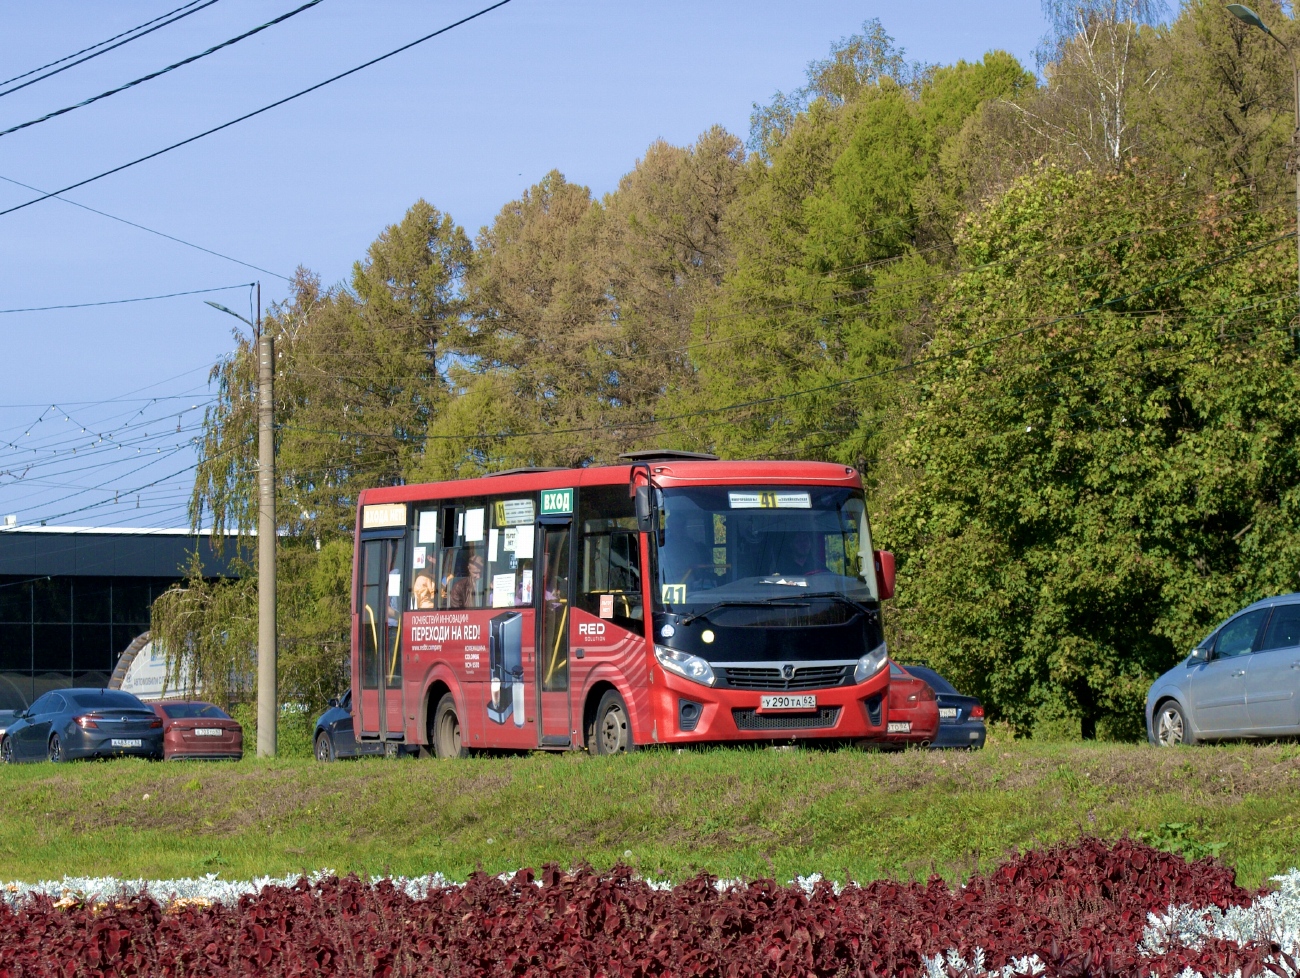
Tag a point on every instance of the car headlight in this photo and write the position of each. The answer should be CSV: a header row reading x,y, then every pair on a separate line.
x,y
871,663
684,664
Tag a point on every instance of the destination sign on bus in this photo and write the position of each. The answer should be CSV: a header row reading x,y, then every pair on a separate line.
x,y
770,500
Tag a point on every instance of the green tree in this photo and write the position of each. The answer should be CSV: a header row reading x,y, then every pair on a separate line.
x,y
578,313
839,234
1224,103
1098,450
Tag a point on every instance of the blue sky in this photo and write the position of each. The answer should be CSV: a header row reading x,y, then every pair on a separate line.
x,y
466,121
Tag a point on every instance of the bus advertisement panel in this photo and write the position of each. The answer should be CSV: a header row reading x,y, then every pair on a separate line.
x,y
669,601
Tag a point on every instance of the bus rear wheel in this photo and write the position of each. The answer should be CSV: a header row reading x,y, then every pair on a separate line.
x,y
611,731
446,730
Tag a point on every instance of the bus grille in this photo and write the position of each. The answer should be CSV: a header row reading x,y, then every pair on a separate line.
x,y
806,677
753,720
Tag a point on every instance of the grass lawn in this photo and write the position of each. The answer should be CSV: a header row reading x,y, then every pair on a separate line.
x,y
730,812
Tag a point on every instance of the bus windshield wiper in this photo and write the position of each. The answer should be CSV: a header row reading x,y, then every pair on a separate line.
x,y
736,604
844,599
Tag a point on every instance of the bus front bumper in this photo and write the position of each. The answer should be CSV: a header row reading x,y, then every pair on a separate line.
x,y
687,712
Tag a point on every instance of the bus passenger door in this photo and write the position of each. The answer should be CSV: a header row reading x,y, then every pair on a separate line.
x,y
379,706
553,597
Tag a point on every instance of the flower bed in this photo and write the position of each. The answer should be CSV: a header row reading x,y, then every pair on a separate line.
x,y
1087,909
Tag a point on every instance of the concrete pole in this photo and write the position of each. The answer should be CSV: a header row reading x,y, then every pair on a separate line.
x,y
1295,162
267,705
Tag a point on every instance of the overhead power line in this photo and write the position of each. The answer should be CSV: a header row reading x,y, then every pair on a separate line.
x,y
161,234
180,12
256,112
118,302
100,44
161,71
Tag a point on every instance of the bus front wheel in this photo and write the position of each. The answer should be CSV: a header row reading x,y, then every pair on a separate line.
x,y
611,731
446,730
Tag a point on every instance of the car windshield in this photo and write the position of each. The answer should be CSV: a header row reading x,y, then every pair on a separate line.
x,y
106,699
194,711
758,543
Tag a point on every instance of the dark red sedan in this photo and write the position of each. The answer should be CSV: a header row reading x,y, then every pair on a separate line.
x,y
194,730
913,709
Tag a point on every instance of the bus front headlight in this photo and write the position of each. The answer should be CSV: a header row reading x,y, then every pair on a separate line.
x,y
684,664
871,663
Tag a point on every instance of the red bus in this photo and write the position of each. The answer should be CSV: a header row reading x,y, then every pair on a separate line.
x,y
674,599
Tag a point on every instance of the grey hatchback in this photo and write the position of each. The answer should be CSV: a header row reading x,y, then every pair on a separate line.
x,y
1243,680
70,723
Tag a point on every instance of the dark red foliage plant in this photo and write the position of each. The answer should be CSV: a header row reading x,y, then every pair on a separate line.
x,y
1081,909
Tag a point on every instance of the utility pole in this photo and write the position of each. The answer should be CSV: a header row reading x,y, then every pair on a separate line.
x,y
267,667
1248,16
268,708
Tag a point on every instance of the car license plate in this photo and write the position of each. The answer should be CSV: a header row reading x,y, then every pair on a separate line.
x,y
125,743
948,713
807,702
899,726
208,731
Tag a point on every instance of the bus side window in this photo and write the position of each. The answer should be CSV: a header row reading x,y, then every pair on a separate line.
x,y
510,552
448,553
424,561
610,580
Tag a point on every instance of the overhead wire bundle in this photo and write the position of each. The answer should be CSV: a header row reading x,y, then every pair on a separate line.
x,y
50,460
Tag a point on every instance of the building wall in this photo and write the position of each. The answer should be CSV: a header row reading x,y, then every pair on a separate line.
x,y
72,600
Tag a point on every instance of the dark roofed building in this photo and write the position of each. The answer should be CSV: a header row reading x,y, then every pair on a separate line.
x,y
73,598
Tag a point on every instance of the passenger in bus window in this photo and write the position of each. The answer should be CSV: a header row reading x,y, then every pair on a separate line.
x,y
465,590
424,590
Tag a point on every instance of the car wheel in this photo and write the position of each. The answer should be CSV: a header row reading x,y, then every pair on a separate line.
x,y
6,751
611,731
1172,728
446,730
324,749
54,752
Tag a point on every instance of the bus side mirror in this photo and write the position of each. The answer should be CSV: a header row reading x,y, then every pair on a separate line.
x,y
885,573
644,510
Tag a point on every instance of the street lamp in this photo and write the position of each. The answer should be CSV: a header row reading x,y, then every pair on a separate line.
x,y
267,708
230,312
1248,16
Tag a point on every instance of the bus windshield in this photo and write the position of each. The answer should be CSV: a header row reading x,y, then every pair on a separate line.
x,y
722,544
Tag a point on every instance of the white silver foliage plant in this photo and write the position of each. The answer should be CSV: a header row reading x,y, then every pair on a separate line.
x,y
201,889
1272,918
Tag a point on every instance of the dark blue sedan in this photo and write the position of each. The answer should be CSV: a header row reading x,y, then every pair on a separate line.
x,y
961,718
333,735
67,724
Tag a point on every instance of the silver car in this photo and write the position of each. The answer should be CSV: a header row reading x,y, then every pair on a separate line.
x,y
1243,680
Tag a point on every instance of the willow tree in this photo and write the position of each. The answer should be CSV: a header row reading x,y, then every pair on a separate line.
x,y
358,379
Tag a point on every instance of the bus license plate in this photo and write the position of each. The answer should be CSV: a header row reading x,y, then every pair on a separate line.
x,y
788,703
125,743
208,732
900,726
